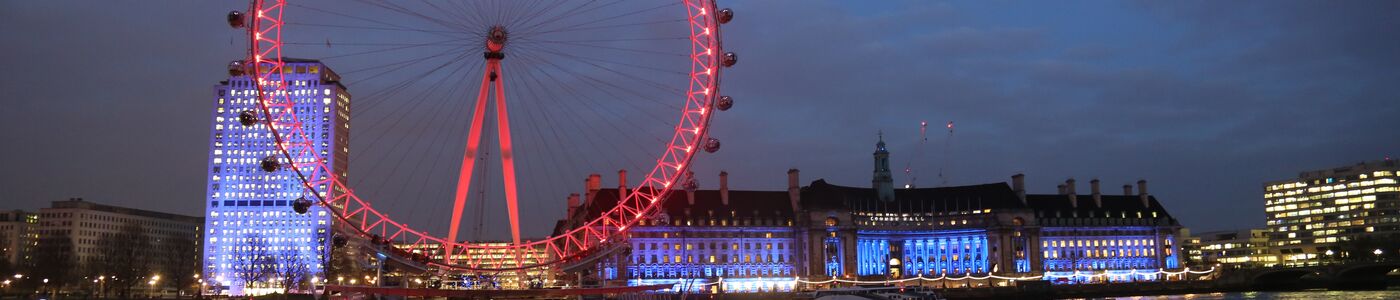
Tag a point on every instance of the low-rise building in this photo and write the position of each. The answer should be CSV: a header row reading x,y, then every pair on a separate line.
x,y
768,241
1237,248
120,243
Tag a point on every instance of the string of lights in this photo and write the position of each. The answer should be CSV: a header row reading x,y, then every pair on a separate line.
x,y
990,276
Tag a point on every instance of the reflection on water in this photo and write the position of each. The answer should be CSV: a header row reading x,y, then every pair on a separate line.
x,y
1348,295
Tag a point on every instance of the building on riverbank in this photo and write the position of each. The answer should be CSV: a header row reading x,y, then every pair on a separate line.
x,y
1315,216
1237,248
762,241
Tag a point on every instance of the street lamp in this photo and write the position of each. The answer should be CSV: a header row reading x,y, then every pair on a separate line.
x,y
1377,253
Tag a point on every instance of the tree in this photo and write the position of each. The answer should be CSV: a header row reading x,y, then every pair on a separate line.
x,y
291,271
5,266
1361,248
252,262
126,258
180,261
53,260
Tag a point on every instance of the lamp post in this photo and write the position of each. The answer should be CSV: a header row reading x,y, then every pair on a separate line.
x,y
1378,253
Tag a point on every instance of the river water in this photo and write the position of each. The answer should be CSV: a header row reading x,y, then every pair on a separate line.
x,y
1300,295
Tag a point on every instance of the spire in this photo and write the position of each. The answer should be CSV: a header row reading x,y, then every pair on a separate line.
x,y
883,182
880,146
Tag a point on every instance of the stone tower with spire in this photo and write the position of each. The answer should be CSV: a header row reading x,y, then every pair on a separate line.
x,y
883,182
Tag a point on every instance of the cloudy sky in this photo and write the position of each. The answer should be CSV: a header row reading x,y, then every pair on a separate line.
x,y
1207,100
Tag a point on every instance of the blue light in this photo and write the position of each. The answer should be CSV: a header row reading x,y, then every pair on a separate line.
x,y
246,203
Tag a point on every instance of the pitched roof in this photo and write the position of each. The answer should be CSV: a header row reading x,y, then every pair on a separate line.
x,y
1111,203
821,194
744,203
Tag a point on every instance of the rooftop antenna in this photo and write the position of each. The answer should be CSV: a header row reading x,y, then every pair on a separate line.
x,y
919,149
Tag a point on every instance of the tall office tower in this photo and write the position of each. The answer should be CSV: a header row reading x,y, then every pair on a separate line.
x,y
250,220
1333,211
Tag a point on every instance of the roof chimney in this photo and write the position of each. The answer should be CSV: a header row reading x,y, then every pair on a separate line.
x,y
1127,190
621,185
724,187
1094,188
794,193
591,186
1062,188
1142,192
1069,190
573,205
1018,184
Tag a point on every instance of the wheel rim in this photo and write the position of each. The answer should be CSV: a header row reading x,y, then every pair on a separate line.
x,y
642,200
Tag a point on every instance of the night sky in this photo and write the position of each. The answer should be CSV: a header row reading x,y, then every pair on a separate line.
x,y
110,100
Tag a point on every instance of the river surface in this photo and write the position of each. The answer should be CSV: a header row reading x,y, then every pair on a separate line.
x,y
1348,295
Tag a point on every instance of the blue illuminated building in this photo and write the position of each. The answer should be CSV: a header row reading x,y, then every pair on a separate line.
x,y
759,241
249,218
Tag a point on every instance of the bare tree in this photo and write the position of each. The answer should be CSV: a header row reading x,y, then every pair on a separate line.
x,y
252,262
181,262
5,266
291,272
125,257
54,260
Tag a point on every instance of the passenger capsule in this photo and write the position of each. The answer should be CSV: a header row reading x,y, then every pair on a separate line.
x,y
236,68
236,19
724,103
726,15
712,145
730,59
301,205
247,118
270,164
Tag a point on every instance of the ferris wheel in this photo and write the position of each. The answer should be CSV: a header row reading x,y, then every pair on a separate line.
x,y
576,85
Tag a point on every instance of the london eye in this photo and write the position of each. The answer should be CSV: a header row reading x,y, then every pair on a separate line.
x,y
462,104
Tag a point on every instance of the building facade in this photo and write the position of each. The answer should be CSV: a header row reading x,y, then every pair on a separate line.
x,y
492,258
761,241
249,209
1331,209
18,236
117,244
1236,248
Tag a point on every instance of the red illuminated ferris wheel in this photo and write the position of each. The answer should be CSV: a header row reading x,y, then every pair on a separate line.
x,y
586,76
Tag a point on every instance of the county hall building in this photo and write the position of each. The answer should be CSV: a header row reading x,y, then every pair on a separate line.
x,y
759,241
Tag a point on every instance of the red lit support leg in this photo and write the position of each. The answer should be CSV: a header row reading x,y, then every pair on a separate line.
x,y
464,178
507,155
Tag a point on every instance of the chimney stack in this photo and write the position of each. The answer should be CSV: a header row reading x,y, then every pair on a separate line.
x,y
1062,188
1018,184
1142,192
1069,190
1094,188
1127,190
573,205
724,187
591,186
794,192
621,185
